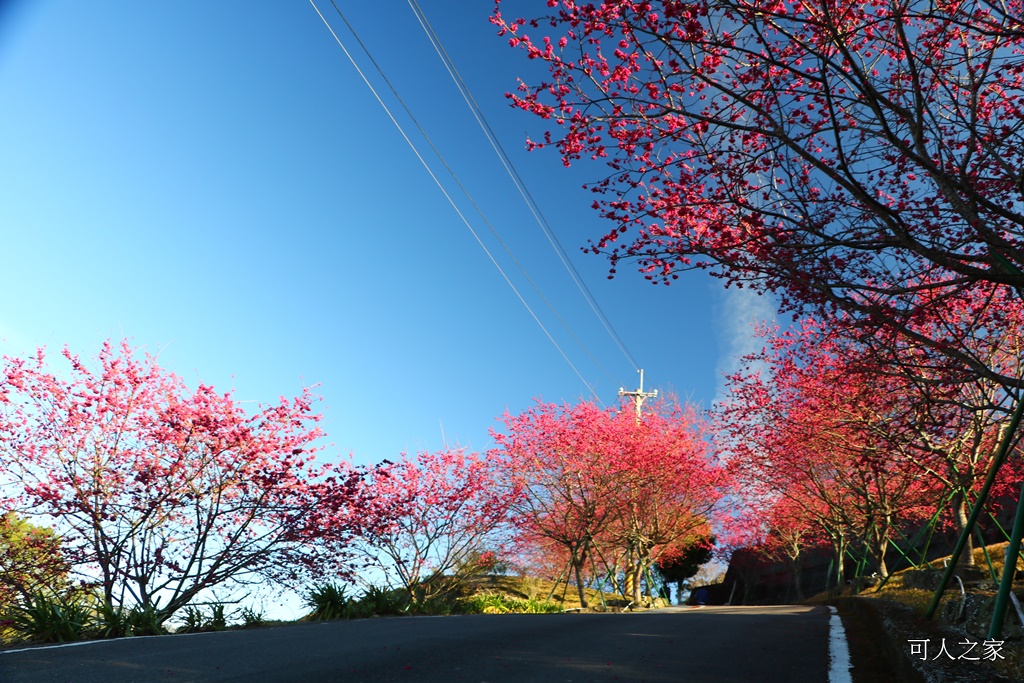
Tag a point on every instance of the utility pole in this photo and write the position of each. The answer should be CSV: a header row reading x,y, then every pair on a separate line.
x,y
638,396
633,558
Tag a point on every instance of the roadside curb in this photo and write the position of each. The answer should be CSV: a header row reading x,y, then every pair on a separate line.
x,y
878,655
879,633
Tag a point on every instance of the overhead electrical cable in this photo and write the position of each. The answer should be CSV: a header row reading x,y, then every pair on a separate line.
x,y
467,194
524,191
437,181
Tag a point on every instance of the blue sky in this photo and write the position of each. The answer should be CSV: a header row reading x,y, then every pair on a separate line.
x,y
215,182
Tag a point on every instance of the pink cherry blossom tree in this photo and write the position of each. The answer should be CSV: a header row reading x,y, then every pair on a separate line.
x,y
864,444
601,484
554,458
160,492
857,156
434,518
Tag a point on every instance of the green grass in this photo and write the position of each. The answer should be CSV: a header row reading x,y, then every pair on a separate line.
x,y
492,603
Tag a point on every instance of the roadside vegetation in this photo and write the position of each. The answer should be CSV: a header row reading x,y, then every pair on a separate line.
x,y
65,618
906,596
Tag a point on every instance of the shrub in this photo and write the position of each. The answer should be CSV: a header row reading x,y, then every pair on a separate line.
x,y
383,602
328,602
52,618
112,621
218,619
7,632
484,604
251,618
438,605
147,621
31,560
191,621
195,621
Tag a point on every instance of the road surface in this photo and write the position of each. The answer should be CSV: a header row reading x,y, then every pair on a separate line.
x,y
779,644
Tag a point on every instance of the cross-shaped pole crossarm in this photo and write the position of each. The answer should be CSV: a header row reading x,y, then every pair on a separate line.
x,y
639,395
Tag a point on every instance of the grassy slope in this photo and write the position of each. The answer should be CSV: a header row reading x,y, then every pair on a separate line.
x,y
529,588
917,600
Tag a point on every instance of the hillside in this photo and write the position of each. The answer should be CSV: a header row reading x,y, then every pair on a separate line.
x,y
538,590
899,605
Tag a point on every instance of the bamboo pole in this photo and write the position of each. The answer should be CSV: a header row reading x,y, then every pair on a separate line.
x,y
997,462
995,630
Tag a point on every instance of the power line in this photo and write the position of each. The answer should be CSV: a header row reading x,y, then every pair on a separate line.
x,y
440,186
467,194
510,168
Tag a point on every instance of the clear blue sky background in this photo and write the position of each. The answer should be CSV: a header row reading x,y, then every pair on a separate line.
x,y
214,181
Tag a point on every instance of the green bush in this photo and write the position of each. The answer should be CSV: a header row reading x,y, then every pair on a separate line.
x,y
439,605
195,621
147,621
218,618
69,617
484,604
541,607
251,618
31,560
112,621
328,602
192,621
52,618
383,602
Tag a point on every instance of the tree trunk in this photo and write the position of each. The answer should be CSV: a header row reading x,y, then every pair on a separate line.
x,y
577,566
797,576
839,547
627,576
960,519
883,568
635,571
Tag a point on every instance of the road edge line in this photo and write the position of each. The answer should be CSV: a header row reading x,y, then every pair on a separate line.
x,y
98,641
838,650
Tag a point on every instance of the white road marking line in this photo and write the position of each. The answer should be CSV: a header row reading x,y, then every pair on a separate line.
x,y
838,650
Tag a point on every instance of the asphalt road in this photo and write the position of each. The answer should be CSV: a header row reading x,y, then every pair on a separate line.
x,y
711,644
